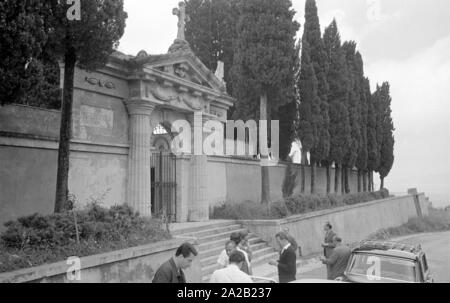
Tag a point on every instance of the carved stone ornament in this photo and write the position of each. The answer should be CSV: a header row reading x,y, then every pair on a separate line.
x,y
181,70
166,95
180,46
192,102
100,83
169,95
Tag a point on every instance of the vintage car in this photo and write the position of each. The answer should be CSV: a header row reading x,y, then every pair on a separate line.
x,y
387,262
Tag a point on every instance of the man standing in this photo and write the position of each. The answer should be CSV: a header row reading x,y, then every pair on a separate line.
x,y
328,244
232,273
338,260
172,270
287,265
224,257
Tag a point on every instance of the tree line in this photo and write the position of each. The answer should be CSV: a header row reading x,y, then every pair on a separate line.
x,y
316,86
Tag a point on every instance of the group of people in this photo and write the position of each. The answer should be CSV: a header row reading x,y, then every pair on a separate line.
x,y
235,259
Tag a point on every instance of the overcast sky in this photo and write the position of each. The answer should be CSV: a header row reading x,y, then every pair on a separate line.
x,y
405,42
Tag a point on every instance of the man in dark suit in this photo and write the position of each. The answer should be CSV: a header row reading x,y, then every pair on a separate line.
x,y
328,245
172,270
287,264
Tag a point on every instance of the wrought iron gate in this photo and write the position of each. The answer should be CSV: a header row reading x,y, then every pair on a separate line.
x,y
164,186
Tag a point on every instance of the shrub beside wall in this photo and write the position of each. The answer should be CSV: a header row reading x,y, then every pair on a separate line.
x,y
436,221
295,205
36,240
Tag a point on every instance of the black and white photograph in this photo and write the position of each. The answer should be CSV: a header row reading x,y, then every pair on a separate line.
x,y
225,142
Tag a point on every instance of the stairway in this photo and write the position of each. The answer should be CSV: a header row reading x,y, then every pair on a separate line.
x,y
211,242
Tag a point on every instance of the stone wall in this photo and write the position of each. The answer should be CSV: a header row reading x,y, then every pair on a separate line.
x,y
235,180
133,265
29,153
352,223
99,160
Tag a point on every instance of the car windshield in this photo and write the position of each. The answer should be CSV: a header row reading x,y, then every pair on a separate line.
x,y
378,268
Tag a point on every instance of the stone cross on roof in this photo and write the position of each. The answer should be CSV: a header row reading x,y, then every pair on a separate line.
x,y
182,19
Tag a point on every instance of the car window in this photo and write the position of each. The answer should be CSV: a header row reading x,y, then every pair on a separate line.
x,y
386,267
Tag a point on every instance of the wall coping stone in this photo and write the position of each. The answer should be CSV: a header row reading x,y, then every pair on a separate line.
x,y
54,269
57,111
319,213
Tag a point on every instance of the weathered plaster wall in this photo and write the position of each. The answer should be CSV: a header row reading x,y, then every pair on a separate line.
x,y
352,223
27,181
134,265
28,160
99,119
95,176
243,181
29,120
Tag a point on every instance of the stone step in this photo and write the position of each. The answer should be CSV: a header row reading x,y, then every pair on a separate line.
x,y
217,250
207,271
255,255
253,239
214,231
190,230
225,235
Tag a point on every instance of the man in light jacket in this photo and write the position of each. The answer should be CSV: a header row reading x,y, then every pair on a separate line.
x,y
232,273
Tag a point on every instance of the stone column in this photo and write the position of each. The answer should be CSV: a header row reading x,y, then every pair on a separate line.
x,y
199,204
139,178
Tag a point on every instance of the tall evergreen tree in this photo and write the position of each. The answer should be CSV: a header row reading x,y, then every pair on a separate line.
x,y
361,161
24,32
372,139
354,112
368,97
309,108
313,37
387,132
211,30
338,99
264,60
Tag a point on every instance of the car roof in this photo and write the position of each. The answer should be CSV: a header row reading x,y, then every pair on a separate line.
x,y
389,253
389,248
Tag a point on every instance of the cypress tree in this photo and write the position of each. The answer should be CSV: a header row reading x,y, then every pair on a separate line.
x,y
354,111
210,32
387,133
313,37
377,98
308,108
264,60
368,96
372,140
287,115
361,161
337,79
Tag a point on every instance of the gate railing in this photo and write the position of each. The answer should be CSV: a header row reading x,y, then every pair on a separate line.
x,y
164,186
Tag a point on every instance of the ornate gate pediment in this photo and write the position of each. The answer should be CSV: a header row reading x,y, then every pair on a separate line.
x,y
178,81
